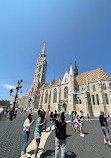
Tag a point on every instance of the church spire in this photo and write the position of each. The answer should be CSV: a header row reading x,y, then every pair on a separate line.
x,y
75,69
43,49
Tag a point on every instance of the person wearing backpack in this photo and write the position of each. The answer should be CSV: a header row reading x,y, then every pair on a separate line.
x,y
60,139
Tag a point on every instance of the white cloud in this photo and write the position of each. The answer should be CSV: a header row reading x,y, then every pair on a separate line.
x,y
8,86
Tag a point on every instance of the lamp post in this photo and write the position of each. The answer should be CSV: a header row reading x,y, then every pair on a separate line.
x,y
15,98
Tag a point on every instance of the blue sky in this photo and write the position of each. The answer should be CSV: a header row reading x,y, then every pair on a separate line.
x,y
74,28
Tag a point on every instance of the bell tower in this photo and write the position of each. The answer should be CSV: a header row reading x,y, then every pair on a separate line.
x,y
40,71
39,79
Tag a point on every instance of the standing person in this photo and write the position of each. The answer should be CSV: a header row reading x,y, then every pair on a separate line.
x,y
26,131
81,120
38,129
51,120
55,117
105,129
45,120
60,139
72,114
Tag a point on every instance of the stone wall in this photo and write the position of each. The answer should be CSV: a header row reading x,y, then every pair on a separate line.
x,y
22,101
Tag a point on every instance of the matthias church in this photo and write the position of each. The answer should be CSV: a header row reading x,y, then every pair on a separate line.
x,y
89,91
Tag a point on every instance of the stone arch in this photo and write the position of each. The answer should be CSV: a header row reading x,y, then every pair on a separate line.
x,y
64,107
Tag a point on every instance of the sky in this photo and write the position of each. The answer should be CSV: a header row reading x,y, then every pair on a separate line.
x,y
72,29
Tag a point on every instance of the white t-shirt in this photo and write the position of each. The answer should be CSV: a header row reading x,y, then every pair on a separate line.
x,y
26,125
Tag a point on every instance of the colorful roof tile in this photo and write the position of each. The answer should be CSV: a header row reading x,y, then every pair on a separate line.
x,y
92,76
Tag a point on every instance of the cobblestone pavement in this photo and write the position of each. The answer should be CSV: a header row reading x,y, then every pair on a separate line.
x,y
90,146
11,140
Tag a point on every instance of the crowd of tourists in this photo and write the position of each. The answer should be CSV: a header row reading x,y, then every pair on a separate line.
x,y
58,120
77,121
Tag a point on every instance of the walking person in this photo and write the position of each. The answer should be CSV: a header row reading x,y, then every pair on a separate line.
x,y
38,129
26,132
105,129
60,139
88,117
51,120
75,121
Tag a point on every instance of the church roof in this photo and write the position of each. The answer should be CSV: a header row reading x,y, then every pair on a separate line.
x,y
92,76
38,93
52,83
46,84
55,82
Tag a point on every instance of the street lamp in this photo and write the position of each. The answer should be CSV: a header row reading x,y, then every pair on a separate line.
x,y
16,96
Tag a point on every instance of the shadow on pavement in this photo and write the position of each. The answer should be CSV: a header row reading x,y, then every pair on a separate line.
x,y
70,154
85,133
33,151
68,135
48,153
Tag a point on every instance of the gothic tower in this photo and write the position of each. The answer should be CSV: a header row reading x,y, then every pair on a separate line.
x,y
40,71
39,79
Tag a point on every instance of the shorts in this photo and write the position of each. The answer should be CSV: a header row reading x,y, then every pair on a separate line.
x,y
81,124
37,134
105,131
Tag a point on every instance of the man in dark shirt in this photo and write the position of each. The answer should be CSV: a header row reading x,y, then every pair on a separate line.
x,y
105,129
55,117
60,139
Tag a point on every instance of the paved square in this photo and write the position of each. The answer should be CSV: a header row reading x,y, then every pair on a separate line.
x,y
90,146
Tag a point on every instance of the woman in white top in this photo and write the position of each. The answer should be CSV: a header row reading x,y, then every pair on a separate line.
x,y
26,131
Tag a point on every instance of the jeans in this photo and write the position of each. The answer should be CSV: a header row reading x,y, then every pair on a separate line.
x,y
60,144
26,138
50,125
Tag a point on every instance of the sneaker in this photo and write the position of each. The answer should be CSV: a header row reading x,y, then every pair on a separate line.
x,y
22,153
105,142
109,143
82,135
38,155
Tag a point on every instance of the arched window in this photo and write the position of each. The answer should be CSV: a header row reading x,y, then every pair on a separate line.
x,y
106,98
93,99
46,96
77,101
55,96
110,86
104,86
97,99
65,92
66,79
94,88
80,101
39,68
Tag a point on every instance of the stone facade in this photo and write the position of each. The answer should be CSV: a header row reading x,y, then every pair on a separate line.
x,y
89,91
22,101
